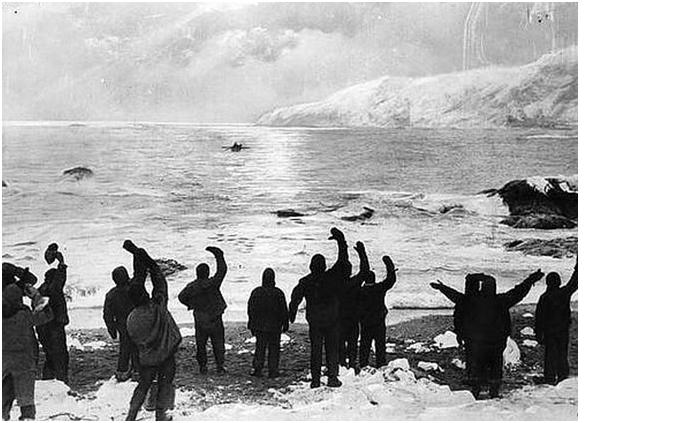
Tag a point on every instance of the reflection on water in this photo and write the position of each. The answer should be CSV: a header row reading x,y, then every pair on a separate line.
x,y
175,190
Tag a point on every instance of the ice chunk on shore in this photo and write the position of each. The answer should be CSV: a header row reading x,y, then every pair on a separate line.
x,y
529,343
251,340
284,339
446,340
527,331
511,354
228,347
427,366
74,343
418,348
187,332
527,315
458,363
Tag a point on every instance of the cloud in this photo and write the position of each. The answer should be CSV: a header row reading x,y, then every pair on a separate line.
x,y
216,62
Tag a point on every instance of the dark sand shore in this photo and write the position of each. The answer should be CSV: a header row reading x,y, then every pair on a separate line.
x,y
89,367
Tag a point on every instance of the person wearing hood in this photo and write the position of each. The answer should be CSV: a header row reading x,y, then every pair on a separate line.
x,y
117,308
19,352
349,312
267,319
154,332
52,335
487,329
461,300
372,314
14,274
321,289
553,318
204,297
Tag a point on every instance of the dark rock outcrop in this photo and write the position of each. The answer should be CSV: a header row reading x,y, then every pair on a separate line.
x,y
540,202
288,213
557,247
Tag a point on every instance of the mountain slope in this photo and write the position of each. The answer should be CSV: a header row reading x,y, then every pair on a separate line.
x,y
542,93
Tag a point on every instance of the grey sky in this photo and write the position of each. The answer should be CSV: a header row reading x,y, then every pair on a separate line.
x,y
230,63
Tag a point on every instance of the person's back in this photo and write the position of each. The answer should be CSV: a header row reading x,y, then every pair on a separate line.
x,y
267,319
19,348
267,308
553,311
53,287
552,321
117,300
323,302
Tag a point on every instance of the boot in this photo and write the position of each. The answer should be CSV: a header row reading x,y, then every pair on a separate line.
x,y
27,412
163,415
220,370
494,391
203,370
131,415
334,382
273,374
315,383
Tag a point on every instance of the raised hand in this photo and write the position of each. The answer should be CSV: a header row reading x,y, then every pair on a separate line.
x,y
214,250
336,234
51,253
360,246
129,246
389,263
536,276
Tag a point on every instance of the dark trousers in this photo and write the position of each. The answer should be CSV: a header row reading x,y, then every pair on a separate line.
x,y
349,342
19,387
369,334
52,336
215,332
324,337
556,362
165,374
128,357
486,365
270,341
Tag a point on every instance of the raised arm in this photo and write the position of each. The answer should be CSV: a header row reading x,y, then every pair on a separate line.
x,y
364,266
139,266
451,293
342,267
391,278
221,272
295,299
572,285
516,294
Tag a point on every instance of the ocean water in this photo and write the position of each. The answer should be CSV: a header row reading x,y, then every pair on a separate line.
x,y
174,190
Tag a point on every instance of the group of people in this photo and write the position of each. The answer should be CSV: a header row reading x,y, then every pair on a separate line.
x,y
345,314
20,347
482,325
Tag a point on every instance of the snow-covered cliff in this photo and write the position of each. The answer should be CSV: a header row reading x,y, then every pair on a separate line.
x,y
542,93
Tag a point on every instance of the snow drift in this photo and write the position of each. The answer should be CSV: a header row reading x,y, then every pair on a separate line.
x,y
543,93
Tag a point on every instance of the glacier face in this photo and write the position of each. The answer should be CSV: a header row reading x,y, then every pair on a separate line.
x,y
542,93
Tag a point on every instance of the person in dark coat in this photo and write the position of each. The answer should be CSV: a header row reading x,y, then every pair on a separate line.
x,y
14,274
117,308
267,319
204,297
372,314
553,318
19,352
321,289
486,326
461,301
349,312
155,334
52,335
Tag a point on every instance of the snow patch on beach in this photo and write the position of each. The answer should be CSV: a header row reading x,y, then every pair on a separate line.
x,y
511,355
393,391
446,340
527,331
110,402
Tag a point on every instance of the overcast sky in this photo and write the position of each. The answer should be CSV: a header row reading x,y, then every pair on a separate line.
x,y
230,63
